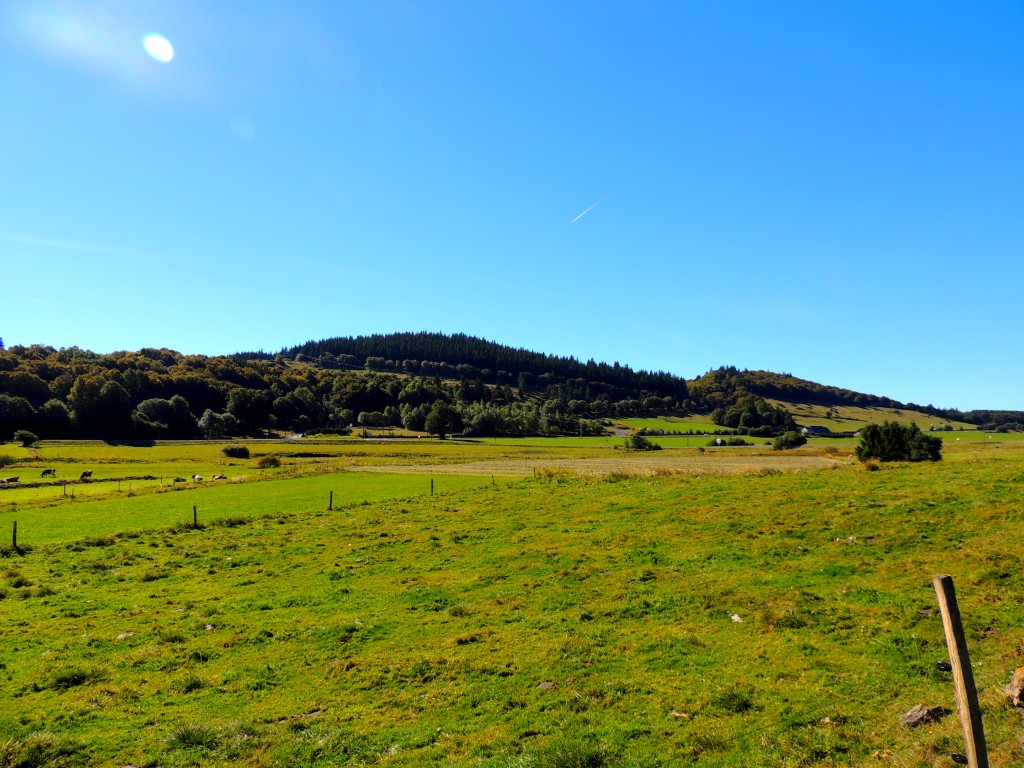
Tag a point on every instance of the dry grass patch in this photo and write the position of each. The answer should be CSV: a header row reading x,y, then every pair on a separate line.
x,y
719,463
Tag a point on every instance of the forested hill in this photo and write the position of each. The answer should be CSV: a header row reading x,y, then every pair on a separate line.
x,y
727,387
724,385
461,355
399,380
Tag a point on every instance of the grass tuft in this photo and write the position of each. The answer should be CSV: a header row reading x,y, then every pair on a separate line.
x,y
194,736
574,754
734,699
41,749
171,637
75,677
191,684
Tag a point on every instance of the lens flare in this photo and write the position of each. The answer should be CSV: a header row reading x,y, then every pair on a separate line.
x,y
159,47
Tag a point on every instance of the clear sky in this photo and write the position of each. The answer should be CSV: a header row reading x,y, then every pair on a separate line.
x,y
829,189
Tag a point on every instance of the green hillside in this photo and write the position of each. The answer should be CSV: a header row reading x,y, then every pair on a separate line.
x,y
418,383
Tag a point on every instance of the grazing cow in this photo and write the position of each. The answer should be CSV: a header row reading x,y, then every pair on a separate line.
x,y
180,480
9,480
87,475
197,478
49,473
220,477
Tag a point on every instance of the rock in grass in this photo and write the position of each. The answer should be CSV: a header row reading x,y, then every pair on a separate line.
x,y
1015,690
548,685
921,714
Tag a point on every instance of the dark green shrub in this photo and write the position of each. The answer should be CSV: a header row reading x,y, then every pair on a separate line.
x,y
268,462
893,441
236,451
6,459
26,438
788,440
638,442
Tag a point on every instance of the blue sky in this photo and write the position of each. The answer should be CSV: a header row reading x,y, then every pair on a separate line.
x,y
833,190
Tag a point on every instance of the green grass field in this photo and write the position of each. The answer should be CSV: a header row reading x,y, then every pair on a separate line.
x,y
624,618
699,424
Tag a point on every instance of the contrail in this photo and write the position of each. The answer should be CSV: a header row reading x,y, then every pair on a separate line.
x,y
105,249
586,212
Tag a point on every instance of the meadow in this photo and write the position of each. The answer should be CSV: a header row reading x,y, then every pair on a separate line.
x,y
731,607
848,418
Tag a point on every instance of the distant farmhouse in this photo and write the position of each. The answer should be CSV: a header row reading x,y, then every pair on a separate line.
x,y
815,431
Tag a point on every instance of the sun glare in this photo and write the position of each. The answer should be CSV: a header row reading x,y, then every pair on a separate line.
x,y
159,47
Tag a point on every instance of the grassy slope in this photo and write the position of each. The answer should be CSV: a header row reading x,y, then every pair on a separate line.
x,y
850,418
416,631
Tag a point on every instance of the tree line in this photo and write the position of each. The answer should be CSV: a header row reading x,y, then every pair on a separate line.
x,y
161,393
472,386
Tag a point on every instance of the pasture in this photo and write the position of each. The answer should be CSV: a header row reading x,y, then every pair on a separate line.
x,y
591,608
849,418
698,423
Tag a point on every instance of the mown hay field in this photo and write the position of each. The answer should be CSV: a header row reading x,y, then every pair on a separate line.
x,y
623,618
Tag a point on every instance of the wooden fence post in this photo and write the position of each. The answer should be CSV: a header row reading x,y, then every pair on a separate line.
x,y
963,676
330,502
195,518
431,486
14,537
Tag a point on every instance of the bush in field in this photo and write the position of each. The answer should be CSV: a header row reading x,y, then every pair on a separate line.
x,y
640,443
893,441
5,459
788,440
268,462
236,451
26,438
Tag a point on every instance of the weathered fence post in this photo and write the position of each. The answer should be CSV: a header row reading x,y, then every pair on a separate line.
x,y
963,676
195,517
14,537
330,502
431,486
